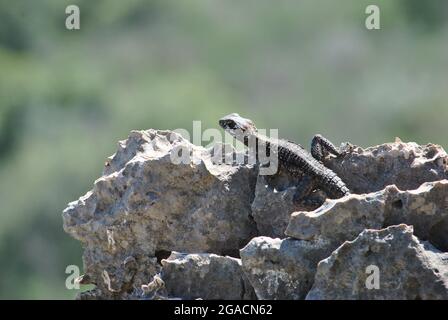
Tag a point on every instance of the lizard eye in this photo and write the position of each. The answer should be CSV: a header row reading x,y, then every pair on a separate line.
x,y
232,125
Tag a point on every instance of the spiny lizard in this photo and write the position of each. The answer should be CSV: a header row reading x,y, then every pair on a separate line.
x,y
292,157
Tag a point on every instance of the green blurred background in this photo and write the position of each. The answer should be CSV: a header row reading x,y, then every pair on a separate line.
x,y
304,67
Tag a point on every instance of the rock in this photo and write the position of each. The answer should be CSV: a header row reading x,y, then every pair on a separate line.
x,y
147,202
343,219
273,203
94,294
282,269
159,194
155,290
206,276
338,220
425,208
407,268
406,165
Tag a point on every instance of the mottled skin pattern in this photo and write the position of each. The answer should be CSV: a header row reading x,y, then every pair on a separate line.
x,y
293,158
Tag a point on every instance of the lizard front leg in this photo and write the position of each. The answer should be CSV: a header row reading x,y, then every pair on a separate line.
x,y
321,147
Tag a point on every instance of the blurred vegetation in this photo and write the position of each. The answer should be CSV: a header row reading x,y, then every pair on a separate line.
x,y
304,67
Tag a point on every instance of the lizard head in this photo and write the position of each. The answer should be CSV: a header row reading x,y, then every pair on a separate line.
x,y
237,126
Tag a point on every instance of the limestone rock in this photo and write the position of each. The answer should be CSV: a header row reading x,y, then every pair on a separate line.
x,y
274,203
338,220
425,208
155,290
159,193
206,276
406,165
343,219
407,268
282,269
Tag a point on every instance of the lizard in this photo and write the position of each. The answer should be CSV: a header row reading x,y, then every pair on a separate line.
x,y
292,157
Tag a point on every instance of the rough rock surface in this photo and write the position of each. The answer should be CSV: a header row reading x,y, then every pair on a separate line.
x,y
407,268
273,203
406,165
282,269
426,208
145,204
205,276
159,194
